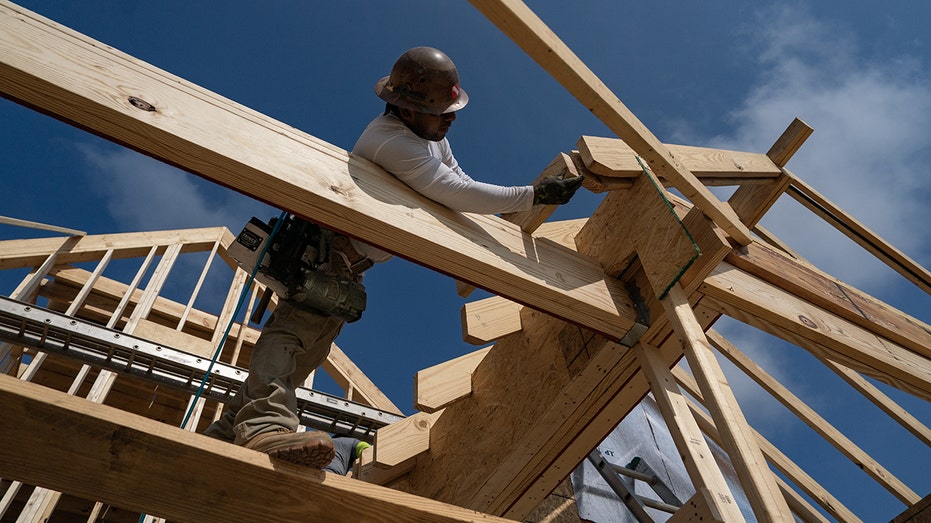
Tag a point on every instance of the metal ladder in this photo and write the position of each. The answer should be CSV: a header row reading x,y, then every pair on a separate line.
x,y
637,469
53,332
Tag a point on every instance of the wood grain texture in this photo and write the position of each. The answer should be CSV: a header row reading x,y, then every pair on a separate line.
x,y
756,302
611,157
59,71
130,457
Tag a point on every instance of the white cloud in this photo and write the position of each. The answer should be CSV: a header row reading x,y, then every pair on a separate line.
x,y
869,154
870,148
143,194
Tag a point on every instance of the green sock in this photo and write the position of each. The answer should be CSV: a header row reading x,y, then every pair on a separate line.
x,y
360,446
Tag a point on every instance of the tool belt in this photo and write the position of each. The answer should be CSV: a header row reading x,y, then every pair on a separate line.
x,y
329,294
310,266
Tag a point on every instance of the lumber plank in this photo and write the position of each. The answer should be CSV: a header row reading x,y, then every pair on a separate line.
x,y
15,254
789,142
562,232
613,158
94,86
881,400
43,226
699,508
526,29
348,375
366,470
756,302
438,386
173,338
486,320
693,449
758,481
775,456
403,440
862,235
130,457
814,420
846,301
751,202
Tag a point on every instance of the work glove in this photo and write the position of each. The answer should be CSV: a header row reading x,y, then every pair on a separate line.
x,y
555,191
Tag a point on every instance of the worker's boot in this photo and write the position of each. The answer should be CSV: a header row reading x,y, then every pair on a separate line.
x,y
312,448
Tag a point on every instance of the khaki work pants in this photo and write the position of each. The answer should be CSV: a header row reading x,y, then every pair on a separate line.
x,y
293,343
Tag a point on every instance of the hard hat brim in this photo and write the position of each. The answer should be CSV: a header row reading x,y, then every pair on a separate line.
x,y
393,98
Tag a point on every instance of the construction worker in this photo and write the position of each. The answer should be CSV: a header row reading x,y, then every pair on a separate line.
x,y
422,95
347,451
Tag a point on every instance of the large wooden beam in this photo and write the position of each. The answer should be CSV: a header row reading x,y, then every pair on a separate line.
x,y
197,478
56,70
536,39
761,304
823,290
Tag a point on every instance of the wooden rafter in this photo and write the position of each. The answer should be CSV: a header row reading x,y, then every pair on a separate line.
x,y
531,437
190,127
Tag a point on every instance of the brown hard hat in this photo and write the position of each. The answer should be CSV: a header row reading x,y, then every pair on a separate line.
x,y
425,80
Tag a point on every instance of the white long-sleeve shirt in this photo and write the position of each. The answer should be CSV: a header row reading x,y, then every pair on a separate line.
x,y
430,168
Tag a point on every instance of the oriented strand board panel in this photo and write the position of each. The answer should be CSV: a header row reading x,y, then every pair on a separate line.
x,y
640,222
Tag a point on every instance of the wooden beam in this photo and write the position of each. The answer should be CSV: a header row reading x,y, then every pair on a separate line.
x,y
54,69
347,374
42,226
438,386
613,158
751,202
789,468
859,233
169,337
757,479
761,304
130,457
693,449
486,320
403,440
530,33
827,292
810,417
789,142
881,400
699,509
15,254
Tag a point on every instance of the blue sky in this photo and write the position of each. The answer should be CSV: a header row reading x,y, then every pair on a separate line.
x,y
725,74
